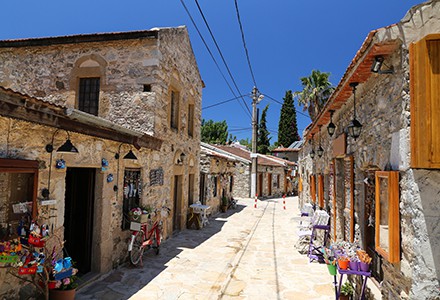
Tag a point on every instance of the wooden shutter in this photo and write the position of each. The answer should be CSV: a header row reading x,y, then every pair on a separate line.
x,y
300,184
313,188
425,102
321,191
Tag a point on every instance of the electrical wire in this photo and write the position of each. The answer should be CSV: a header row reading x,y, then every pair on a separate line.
x,y
222,102
215,61
244,43
221,54
279,102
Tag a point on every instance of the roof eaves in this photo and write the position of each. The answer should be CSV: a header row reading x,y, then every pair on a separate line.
x,y
361,62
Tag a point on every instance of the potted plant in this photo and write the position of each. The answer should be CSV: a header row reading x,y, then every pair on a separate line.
x,y
224,204
347,291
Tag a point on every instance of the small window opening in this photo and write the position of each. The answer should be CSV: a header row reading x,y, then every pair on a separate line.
x,y
147,87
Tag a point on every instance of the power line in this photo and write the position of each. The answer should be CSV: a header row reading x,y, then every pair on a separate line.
x,y
213,58
221,54
275,100
244,43
240,129
222,102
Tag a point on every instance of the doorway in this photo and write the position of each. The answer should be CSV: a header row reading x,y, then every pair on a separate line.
x,y
177,202
269,184
260,184
78,216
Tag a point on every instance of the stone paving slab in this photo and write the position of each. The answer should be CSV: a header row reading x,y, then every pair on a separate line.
x,y
243,254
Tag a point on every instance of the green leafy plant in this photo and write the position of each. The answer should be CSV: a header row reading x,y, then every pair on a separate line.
x,y
347,289
225,201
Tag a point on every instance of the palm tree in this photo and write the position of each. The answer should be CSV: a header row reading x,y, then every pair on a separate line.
x,y
316,91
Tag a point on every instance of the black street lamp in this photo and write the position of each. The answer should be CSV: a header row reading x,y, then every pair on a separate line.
x,y
331,127
355,127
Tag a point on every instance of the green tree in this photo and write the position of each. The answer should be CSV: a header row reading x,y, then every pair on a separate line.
x,y
316,91
246,142
263,139
287,126
214,132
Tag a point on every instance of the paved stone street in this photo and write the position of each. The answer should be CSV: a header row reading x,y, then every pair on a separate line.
x,y
248,253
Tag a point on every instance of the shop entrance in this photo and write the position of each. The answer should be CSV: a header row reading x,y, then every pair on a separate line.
x,y
78,216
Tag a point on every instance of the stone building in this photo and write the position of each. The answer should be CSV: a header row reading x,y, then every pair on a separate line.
x,y
290,153
382,187
217,176
271,178
110,94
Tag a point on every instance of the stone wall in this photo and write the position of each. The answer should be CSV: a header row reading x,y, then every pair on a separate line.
x,y
383,108
51,72
24,140
242,177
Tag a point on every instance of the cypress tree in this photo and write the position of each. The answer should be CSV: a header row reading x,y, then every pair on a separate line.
x,y
287,126
263,134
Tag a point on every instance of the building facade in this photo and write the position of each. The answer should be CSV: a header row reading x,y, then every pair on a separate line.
x,y
137,92
382,187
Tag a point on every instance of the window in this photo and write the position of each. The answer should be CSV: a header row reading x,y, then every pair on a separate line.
x,y
18,195
132,193
174,114
88,98
191,120
387,215
147,88
425,102
278,181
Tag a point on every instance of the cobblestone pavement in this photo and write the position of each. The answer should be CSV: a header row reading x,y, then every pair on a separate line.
x,y
247,253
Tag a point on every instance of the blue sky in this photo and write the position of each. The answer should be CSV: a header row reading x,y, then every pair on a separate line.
x,y
286,40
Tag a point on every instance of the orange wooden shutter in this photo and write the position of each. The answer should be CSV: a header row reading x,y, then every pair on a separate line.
x,y
321,191
300,184
313,188
425,102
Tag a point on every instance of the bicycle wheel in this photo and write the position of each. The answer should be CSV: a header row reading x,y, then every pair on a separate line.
x,y
137,250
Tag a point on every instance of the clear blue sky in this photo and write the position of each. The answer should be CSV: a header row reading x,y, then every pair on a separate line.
x,y
286,39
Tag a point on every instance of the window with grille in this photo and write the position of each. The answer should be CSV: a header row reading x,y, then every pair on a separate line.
x,y
132,193
88,99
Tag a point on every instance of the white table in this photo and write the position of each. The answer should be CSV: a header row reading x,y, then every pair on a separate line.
x,y
202,210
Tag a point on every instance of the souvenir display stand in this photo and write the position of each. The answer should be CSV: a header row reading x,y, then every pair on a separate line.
x,y
364,277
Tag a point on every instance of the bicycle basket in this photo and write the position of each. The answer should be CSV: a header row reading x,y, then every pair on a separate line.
x,y
135,226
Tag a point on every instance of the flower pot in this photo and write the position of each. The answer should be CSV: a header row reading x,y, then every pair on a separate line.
x,y
62,294
353,265
331,269
343,264
364,267
343,297
224,208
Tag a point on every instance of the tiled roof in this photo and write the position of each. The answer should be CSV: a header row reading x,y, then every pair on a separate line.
x,y
262,159
80,38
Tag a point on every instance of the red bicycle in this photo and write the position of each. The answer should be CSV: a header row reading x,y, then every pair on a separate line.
x,y
145,236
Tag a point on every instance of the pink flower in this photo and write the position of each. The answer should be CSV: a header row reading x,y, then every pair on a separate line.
x,y
58,284
66,281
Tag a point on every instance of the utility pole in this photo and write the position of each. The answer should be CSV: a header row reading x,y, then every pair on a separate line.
x,y
256,97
